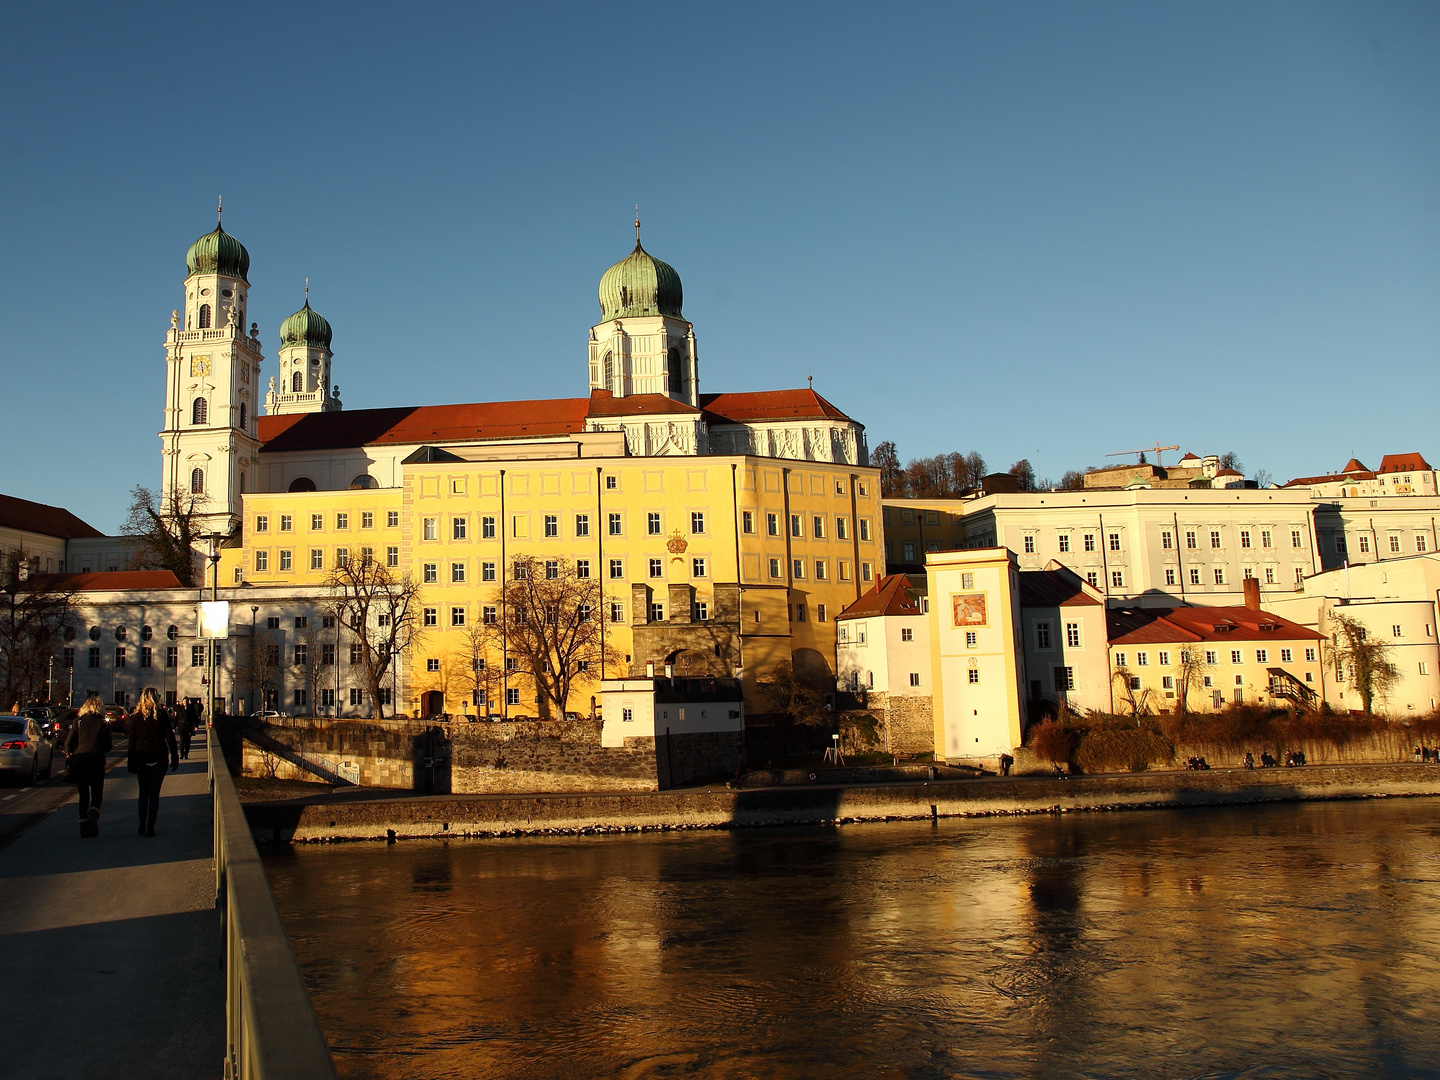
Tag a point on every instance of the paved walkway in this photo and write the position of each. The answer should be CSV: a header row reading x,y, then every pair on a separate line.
x,y
110,952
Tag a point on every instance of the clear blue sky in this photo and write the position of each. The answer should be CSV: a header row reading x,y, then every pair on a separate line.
x,y
1024,229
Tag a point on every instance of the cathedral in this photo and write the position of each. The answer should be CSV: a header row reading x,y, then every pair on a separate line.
x,y
644,383
725,530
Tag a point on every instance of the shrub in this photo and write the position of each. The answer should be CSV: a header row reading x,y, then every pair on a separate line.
x,y
1055,741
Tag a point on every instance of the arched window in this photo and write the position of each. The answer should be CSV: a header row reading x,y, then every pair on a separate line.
x,y
200,413
197,481
204,316
607,370
297,383
364,480
243,415
302,483
673,369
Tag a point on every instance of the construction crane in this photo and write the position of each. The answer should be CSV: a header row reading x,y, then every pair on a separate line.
x,y
1157,450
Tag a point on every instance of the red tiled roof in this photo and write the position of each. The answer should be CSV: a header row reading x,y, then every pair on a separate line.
x,y
892,594
1228,472
1403,463
1053,588
769,405
605,404
1332,478
97,582
46,520
1189,457
423,424
1354,466
1162,626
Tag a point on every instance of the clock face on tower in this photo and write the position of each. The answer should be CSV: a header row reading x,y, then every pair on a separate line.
x,y
199,366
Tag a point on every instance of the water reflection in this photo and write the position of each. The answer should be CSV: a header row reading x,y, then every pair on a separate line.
x,y
1281,941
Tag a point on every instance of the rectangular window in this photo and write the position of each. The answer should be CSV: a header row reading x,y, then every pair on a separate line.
x,y
866,571
772,524
431,616
1089,541
1394,544
1310,656
487,571
1042,635
1211,657
1295,538
1092,578
302,655
1265,539
367,519
301,697
432,663
1214,538
1287,656
657,568
914,678
431,573
431,529
357,654
822,571
972,639
1236,657
262,560
457,572
908,549
1072,635
262,523
93,657
1167,682
1194,575
342,521
797,526
392,519
697,521
1420,542
287,559
1064,678
317,522
582,524
774,568
1114,541
489,615
1395,630
272,622
1029,543
1244,539
611,483
1120,660
697,567
487,528
1166,540
457,616
1364,544
1169,575
342,556
700,611
798,569
357,696
552,570
172,657
842,529
287,523
974,675
392,556
1117,579
197,656
552,525
1142,659
582,568
865,529
799,612
317,559
1340,543
617,611
657,612
459,528
1064,541
1164,658
1219,575
512,696
120,660
616,525
817,526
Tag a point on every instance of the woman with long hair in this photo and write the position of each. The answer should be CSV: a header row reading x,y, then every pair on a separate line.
x,y
150,737
85,749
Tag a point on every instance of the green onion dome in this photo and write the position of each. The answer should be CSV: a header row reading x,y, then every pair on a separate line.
x,y
640,284
305,327
218,253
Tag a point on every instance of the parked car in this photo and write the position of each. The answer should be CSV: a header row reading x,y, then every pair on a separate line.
x,y
264,716
118,719
24,750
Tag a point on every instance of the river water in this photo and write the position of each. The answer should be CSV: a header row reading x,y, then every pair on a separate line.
x,y
1269,942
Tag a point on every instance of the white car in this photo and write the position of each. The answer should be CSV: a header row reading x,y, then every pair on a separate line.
x,y
24,750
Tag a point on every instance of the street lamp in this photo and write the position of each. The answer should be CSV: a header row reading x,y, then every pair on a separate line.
x,y
253,663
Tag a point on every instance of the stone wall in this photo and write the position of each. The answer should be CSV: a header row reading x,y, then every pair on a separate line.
x,y
908,719
547,755
386,753
701,755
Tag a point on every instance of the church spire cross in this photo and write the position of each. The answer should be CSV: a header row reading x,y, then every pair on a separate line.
x,y
219,209
637,224
307,292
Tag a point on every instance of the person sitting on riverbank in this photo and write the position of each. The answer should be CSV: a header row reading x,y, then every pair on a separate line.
x,y
1249,761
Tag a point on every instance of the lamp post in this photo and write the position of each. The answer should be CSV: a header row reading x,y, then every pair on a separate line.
x,y
253,664
214,595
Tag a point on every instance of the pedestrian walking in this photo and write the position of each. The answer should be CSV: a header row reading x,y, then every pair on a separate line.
x,y
150,739
85,749
184,730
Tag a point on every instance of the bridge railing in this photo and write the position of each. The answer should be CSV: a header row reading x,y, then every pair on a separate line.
x,y
271,1032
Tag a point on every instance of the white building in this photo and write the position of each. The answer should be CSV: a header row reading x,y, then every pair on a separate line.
x,y
1066,650
882,653
977,659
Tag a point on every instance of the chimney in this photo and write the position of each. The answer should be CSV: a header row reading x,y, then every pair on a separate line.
x,y
1252,593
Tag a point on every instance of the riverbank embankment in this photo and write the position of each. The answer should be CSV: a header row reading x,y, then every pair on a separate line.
x,y
322,819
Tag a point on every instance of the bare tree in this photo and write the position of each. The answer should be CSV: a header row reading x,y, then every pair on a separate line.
x,y
1190,675
382,613
309,660
1135,699
554,630
892,477
261,665
36,612
974,472
482,675
1072,480
166,532
798,699
1231,460
1263,478
1024,474
1366,661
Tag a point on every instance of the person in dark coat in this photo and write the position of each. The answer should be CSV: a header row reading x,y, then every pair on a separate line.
x,y
184,729
85,749
150,737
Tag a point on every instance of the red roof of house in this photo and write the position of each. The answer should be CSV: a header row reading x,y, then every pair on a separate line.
x,y
1189,457
1053,588
1403,463
423,424
520,419
36,517
101,581
769,405
1354,465
1228,472
1332,478
1164,626
892,594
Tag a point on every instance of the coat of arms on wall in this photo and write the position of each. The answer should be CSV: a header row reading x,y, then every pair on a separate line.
x,y
969,608
676,544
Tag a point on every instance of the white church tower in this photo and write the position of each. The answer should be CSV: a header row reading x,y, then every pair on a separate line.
x,y
209,441
303,384
643,345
